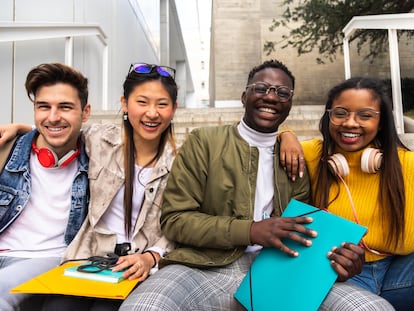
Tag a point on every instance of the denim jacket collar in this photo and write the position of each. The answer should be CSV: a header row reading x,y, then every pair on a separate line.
x,y
22,150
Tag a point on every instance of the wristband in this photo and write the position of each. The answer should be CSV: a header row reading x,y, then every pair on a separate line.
x,y
153,257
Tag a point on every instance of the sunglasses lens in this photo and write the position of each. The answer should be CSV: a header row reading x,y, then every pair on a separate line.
x,y
163,72
147,68
142,68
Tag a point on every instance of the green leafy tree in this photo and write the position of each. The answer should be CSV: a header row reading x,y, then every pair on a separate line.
x,y
320,23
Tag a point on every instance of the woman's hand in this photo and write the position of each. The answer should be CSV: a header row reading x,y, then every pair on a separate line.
x,y
347,260
137,266
10,131
291,155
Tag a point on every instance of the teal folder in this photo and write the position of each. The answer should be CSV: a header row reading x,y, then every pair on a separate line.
x,y
276,281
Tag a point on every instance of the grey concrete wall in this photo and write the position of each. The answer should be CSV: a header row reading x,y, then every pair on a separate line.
x,y
239,31
132,36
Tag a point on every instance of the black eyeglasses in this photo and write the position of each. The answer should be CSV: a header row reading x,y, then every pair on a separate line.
x,y
99,263
261,88
339,115
164,71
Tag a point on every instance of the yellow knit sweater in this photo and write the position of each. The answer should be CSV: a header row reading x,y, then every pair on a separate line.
x,y
364,189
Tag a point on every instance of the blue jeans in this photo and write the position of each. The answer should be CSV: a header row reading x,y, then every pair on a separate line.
x,y
14,271
392,278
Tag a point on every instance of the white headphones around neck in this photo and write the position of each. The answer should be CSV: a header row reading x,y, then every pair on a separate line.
x,y
371,161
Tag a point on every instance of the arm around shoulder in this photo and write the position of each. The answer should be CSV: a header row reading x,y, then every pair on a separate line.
x,y
10,131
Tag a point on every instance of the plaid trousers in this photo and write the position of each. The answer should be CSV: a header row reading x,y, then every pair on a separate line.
x,y
178,287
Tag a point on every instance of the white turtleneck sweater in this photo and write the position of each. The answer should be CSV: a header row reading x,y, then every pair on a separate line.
x,y
264,142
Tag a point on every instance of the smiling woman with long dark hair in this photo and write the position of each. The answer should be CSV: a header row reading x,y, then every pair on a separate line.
x,y
362,171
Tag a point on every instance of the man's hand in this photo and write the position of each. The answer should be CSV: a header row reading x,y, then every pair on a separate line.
x,y
271,231
347,260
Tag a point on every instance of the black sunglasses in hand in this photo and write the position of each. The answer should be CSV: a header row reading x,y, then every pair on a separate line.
x,y
99,263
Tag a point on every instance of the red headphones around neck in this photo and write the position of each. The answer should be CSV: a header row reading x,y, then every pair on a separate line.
x,y
48,158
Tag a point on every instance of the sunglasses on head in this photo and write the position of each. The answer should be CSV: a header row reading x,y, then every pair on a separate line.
x,y
164,71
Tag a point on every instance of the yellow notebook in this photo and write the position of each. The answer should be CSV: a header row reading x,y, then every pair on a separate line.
x,y
54,282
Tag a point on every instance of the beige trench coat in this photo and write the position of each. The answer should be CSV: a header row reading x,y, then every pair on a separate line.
x,y
106,176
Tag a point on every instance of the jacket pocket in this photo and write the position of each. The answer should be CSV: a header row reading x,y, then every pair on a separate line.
x,y
7,204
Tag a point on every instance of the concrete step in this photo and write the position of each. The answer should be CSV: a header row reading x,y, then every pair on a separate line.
x,y
304,120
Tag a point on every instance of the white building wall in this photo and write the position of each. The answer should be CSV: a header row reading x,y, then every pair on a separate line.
x,y
130,37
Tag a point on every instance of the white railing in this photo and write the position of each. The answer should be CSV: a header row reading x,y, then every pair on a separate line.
x,y
391,22
18,31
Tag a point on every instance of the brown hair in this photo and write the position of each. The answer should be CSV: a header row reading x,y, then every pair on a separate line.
x,y
53,73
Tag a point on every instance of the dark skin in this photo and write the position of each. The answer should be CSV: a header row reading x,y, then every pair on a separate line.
x,y
264,113
291,155
270,232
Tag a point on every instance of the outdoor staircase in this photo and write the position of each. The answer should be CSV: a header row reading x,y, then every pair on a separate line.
x,y
304,120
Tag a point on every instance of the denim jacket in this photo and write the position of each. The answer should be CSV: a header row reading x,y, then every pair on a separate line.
x,y
15,186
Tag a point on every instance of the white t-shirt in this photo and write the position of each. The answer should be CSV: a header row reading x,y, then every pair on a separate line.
x,y
114,215
40,229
